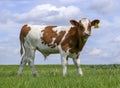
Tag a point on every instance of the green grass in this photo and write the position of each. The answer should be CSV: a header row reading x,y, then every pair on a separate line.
x,y
50,76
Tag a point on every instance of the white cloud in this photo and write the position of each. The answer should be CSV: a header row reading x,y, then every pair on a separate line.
x,y
105,23
9,55
5,40
116,22
49,13
8,25
104,6
117,59
117,39
95,51
5,16
68,1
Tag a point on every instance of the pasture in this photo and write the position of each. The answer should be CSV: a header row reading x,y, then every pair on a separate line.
x,y
50,76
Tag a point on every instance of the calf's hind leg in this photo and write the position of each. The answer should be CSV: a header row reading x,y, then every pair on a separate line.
x,y
31,62
22,64
28,58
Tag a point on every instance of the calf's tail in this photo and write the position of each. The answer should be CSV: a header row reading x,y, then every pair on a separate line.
x,y
21,45
21,49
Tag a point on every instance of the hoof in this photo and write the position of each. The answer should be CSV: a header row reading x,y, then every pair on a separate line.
x,y
80,75
35,75
18,75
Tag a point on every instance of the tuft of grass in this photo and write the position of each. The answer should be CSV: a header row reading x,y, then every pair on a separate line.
x,y
95,76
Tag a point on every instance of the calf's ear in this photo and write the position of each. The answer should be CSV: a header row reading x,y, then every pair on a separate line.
x,y
74,22
95,23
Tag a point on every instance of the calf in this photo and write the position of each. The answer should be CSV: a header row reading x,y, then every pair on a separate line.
x,y
66,40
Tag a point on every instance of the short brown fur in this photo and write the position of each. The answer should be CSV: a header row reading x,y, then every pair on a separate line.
x,y
70,40
59,37
74,40
49,34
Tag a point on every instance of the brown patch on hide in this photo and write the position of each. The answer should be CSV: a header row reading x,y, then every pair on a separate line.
x,y
50,37
59,37
70,41
74,40
48,34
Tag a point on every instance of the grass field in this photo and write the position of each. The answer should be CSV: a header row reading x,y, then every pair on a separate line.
x,y
50,76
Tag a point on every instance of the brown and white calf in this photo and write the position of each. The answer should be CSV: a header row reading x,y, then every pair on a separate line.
x,y
66,40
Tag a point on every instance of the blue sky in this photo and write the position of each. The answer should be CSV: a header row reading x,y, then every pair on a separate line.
x,y
103,46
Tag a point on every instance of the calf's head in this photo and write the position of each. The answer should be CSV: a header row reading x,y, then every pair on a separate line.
x,y
84,26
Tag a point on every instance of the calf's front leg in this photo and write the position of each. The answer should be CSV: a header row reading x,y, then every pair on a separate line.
x,y
64,61
77,64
